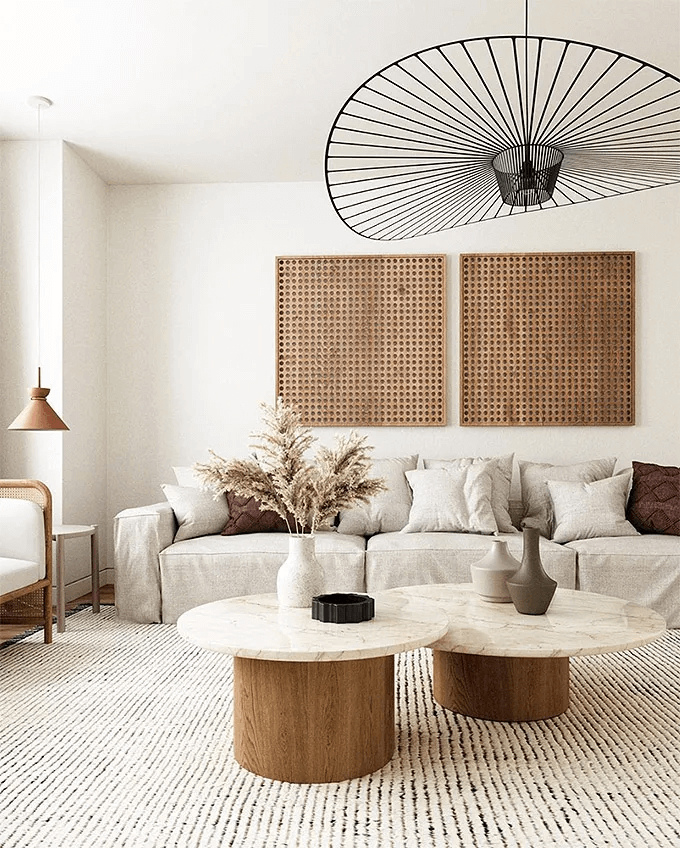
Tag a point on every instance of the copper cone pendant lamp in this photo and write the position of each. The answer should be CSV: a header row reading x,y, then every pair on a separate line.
x,y
488,127
38,415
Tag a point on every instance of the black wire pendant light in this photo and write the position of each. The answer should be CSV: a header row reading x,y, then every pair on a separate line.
x,y
488,127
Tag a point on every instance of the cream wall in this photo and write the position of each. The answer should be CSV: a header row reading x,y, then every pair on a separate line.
x,y
84,350
73,340
191,322
22,454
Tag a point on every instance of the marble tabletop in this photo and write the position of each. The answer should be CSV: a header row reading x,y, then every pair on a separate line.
x,y
255,627
576,624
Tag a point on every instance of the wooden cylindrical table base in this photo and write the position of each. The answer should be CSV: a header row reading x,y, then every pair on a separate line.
x,y
313,722
501,688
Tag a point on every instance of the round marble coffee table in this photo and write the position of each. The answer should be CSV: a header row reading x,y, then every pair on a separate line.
x,y
494,663
313,701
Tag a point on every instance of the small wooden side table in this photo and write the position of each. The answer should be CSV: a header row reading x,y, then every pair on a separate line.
x,y
60,532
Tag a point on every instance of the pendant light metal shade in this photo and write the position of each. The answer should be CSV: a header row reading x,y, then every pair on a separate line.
x,y
38,414
488,127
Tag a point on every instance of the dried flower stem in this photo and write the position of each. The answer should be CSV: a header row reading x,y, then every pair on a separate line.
x,y
305,493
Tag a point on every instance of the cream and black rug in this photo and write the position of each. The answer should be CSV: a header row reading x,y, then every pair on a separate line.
x,y
119,736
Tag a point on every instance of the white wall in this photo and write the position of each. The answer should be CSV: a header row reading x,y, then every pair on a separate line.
x,y
73,331
23,454
191,305
84,364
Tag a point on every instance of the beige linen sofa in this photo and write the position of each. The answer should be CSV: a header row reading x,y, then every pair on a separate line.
x,y
172,556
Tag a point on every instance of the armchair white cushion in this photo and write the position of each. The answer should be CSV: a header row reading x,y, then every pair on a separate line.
x,y
22,530
22,544
26,554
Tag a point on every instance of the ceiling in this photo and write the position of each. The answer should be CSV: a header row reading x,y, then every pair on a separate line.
x,y
186,91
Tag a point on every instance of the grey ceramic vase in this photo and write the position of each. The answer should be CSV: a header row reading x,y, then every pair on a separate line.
x,y
490,574
531,589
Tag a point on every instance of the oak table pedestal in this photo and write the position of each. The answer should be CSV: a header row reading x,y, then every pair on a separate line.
x,y
501,688
313,722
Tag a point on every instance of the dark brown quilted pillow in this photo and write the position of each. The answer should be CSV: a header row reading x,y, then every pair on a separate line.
x,y
654,501
245,516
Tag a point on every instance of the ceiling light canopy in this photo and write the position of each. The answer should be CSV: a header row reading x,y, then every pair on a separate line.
x,y
489,127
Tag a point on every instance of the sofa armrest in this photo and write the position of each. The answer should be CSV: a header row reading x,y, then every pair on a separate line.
x,y
139,535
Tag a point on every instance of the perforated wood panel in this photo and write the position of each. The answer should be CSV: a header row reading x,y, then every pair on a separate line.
x,y
547,339
361,340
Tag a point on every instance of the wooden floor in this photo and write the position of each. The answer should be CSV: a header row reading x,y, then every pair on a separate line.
x,y
8,631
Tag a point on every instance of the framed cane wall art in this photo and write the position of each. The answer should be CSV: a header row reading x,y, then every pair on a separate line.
x,y
361,340
547,339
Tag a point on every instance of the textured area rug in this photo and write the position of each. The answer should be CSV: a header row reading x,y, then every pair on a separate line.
x,y
119,736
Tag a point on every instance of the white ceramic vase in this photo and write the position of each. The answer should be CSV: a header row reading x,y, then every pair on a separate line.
x,y
301,576
490,574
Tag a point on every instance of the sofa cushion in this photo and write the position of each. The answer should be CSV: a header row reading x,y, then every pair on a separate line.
x,y
17,573
644,569
654,503
245,516
535,495
388,510
500,468
198,512
588,510
398,559
208,568
447,500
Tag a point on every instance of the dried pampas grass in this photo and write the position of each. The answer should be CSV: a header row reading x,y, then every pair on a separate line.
x,y
306,493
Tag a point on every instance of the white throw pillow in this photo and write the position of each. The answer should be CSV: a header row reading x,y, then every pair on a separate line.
x,y
198,512
535,495
388,511
448,500
500,468
186,476
591,510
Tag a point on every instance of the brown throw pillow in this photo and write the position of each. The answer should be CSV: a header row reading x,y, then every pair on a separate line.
x,y
654,501
245,516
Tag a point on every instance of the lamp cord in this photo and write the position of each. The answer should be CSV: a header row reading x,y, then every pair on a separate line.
x,y
38,238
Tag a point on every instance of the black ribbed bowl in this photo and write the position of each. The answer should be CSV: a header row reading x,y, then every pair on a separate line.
x,y
343,608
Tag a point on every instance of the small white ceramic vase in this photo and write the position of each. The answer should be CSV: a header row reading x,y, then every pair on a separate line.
x,y
490,574
301,576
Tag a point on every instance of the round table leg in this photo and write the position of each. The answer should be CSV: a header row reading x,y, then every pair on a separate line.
x,y
501,688
313,722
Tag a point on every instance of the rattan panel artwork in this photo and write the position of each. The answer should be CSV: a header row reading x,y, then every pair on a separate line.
x,y
547,339
361,340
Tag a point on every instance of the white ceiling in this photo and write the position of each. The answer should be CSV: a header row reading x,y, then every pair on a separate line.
x,y
180,91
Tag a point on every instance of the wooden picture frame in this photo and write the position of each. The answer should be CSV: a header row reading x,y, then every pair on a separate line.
x,y
361,340
547,339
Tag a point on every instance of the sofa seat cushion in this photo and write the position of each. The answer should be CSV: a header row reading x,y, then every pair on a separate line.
x,y
398,559
197,571
17,573
644,569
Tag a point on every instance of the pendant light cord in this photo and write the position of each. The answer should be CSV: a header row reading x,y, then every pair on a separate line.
x,y
39,107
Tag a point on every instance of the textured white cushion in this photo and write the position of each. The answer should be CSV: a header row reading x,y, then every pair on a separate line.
x,y
18,573
590,510
535,494
448,500
198,512
389,510
22,532
500,468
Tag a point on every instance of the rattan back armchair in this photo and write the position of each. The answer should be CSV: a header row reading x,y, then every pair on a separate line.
x,y
31,604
